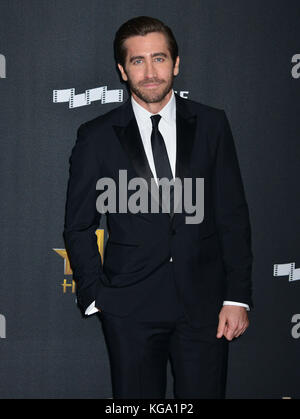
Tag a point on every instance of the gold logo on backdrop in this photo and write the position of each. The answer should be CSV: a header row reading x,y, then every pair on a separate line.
x,y
69,283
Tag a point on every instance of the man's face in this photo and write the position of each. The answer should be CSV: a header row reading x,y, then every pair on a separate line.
x,y
149,68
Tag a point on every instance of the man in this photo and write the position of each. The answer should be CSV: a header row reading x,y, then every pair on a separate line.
x,y
166,288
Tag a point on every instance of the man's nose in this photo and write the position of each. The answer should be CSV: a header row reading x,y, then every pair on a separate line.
x,y
150,70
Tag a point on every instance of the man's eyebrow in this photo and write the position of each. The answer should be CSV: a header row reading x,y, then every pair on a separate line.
x,y
136,57
140,57
156,54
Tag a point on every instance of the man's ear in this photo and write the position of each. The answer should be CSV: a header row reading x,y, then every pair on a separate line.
x,y
176,67
123,73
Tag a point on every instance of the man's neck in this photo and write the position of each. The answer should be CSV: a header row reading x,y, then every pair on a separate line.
x,y
153,107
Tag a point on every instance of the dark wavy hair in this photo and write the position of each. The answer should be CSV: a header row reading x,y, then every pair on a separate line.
x,y
142,25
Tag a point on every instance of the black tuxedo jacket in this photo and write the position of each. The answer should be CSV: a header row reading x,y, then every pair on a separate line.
x,y
212,260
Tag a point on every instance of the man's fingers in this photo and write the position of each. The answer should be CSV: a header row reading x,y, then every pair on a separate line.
x,y
221,327
239,333
231,332
229,335
232,322
243,327
243,330
226,330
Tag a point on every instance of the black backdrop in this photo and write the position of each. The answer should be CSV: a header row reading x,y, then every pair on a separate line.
x,y
241,56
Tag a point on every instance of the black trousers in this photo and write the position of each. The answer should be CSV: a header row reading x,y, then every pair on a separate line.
x,y
140,345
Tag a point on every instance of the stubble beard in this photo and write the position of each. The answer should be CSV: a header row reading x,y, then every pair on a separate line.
x,y
149,96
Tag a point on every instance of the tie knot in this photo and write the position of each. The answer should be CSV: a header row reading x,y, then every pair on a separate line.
x,y
155,120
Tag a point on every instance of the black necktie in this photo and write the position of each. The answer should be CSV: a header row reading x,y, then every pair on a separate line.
x,y
160,156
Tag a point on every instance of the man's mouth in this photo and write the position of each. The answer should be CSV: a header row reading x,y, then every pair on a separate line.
x,y
151,85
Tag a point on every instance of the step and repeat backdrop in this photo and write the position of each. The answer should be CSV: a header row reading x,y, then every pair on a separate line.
x,y
57,71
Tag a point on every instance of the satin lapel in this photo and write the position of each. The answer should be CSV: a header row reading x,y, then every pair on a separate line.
x,y
130,139
131,142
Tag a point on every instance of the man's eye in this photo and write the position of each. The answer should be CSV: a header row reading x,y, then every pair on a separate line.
x,y
137,61
160,59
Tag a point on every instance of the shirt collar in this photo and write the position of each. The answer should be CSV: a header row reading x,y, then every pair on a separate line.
x,y
168,112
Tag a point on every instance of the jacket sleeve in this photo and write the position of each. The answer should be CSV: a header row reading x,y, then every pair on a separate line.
x,y
232,218
82,219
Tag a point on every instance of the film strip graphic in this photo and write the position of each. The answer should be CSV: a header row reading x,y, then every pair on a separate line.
x,y
287,269
2,67
89,96
2,327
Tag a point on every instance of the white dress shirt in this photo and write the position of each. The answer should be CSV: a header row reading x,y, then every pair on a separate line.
x,y
167,127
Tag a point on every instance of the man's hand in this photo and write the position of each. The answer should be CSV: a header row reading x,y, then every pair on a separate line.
x,y
233,321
